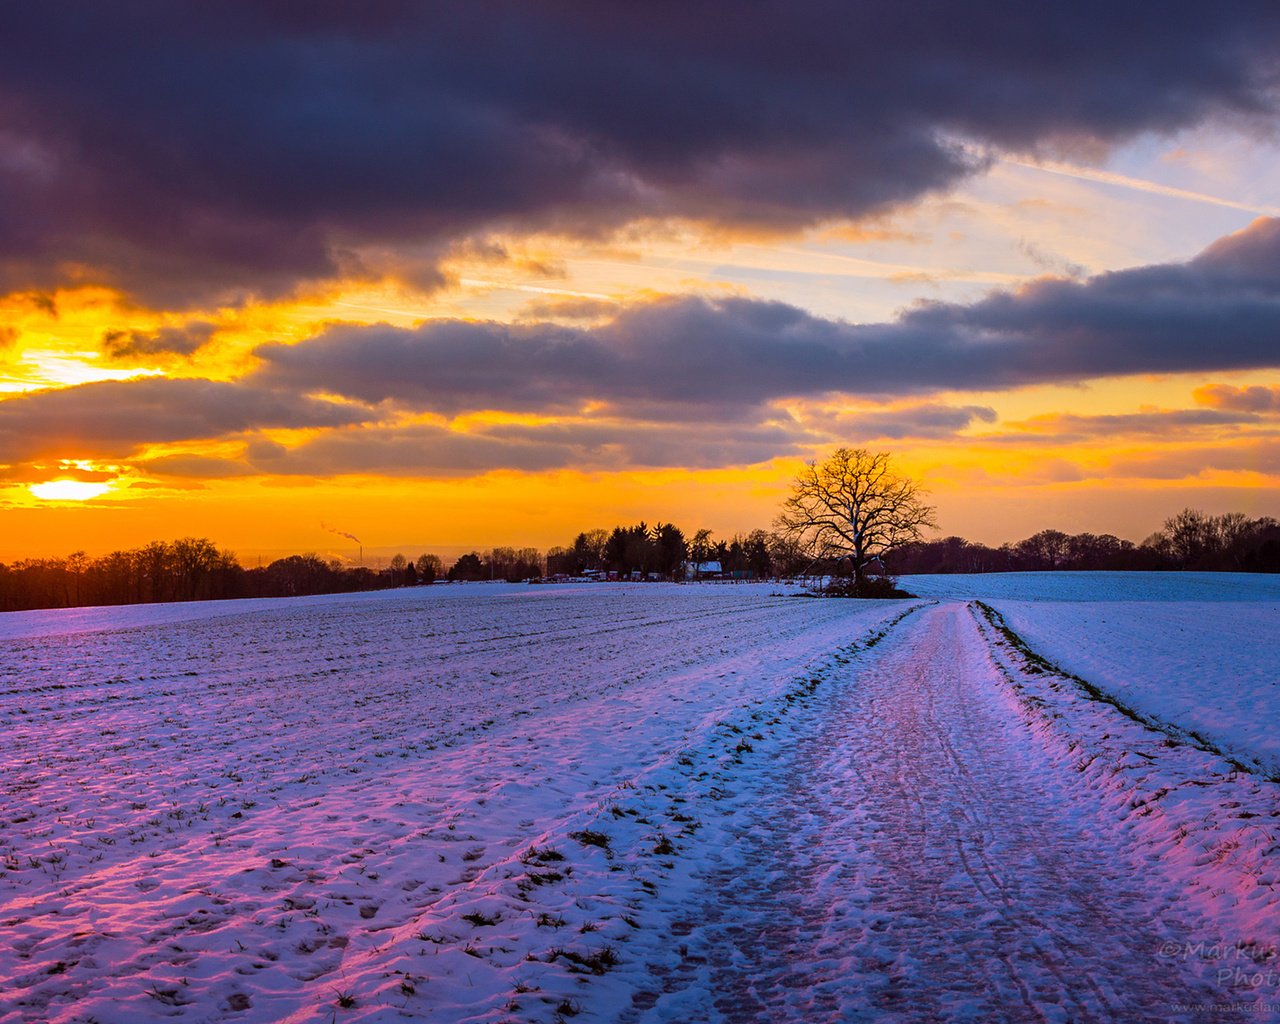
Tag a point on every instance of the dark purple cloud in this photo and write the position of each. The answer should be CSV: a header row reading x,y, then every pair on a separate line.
x,y
692,382
187,150
425,450
180,341
692,358
114,418
927,420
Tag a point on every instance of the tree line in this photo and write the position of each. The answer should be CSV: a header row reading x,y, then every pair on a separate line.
x,y
195,569
1232,542
666,551
189,569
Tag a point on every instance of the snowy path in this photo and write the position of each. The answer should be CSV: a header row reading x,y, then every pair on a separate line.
x,y
920,859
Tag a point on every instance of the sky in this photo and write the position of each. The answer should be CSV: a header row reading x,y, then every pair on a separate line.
x,y
454,275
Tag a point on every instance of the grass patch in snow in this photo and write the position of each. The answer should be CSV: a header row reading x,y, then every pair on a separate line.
x,y
590,837
1034,664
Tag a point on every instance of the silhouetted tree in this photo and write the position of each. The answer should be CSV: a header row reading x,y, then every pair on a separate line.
x,y
589,549
756,548
468,567
853,503
430,568
670,549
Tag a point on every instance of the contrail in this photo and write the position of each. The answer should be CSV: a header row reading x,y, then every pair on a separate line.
x,y
1140,184
341,533
475,282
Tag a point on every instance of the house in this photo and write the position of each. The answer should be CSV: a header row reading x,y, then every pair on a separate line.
x,y
702,570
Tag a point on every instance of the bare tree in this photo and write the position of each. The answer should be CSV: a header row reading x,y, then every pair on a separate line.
x,y
853,504
700,549
430,568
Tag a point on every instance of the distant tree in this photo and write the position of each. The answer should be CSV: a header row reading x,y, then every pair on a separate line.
x,y
297,575
1233,533
759,561
787,556
77,563
1187,539
629,549
952,554
430,568
854,504
720,552
638,554
563,561
111,578
153,572
615,550
468,567
402,572
1097,551
194,564
1186,536
701,547
670,549
1047,549
512,564
735,561
589,549
1263,553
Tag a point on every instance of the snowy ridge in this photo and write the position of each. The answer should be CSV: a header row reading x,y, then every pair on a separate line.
x,y
1211,822
1205,670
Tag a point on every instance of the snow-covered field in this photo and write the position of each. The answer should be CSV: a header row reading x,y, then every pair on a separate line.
x,y
260,811
1099,586
1197,651
635,803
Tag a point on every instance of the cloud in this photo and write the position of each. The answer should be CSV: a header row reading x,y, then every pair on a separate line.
x,y
567,309
200,467
1070,428
180,341
698,357
193,151
923,421
35,473
1256,399
428,450
1262,456
113,418
1050,262
690,381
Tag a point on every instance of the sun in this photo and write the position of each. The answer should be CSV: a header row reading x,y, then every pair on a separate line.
x,y
68,490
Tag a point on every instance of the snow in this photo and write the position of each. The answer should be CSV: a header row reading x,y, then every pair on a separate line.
x,y
55,621
1098,586
633,802
273,807
1195,652
1208,668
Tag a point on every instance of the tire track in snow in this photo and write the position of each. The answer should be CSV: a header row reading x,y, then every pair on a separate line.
x,y
919,858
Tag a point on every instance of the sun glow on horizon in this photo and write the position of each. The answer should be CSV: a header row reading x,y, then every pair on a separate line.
x,y
68,490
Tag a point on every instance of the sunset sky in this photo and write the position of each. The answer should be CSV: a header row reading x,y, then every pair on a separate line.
x,y
454,275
